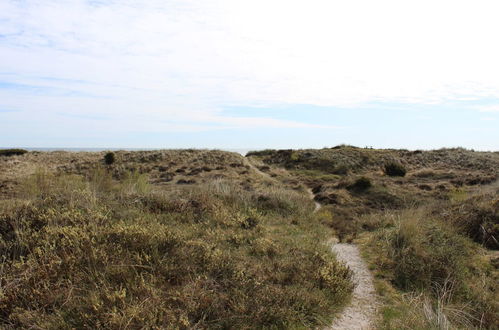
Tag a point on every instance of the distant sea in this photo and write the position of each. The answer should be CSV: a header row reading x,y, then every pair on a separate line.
x,y
240,151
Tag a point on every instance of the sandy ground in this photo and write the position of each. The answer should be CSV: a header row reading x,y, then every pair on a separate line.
x,y
361,312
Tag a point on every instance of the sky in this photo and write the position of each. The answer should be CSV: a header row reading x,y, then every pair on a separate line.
x,y
249,74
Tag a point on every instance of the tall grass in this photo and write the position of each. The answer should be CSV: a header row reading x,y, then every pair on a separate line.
x,y
446,281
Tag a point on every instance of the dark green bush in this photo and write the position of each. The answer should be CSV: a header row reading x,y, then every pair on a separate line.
x,y
361,184
12,152
395,169
109,158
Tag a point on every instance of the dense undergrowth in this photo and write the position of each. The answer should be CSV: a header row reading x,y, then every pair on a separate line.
x,y
444,278
93,252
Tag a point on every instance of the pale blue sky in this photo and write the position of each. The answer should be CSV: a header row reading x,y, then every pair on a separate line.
x,y
249,74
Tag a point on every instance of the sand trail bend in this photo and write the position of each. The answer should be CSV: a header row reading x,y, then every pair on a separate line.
x,y
361,312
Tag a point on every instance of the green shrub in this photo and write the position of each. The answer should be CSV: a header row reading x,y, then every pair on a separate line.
x,y
395,169
295,156
12,152
109,158
382,198
361,184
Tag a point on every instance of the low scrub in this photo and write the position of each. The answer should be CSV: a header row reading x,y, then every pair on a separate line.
x,y
425,252
260,153
93,252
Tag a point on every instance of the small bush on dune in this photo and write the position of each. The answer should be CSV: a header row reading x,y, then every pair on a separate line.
x,y
394,169
383,199
361,184
260,153
109,158
283,202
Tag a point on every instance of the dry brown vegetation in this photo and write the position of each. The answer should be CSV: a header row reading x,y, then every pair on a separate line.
x,y
211,239
333,172
86,245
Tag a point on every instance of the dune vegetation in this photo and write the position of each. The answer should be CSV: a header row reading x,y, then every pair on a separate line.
x,y
426,221
211,239
106,248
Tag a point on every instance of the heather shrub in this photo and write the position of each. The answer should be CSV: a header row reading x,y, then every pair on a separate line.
x,y
477,218
96,252
394,169
361,184
109,158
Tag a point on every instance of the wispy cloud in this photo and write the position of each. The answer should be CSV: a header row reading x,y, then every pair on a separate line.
x,y
171,64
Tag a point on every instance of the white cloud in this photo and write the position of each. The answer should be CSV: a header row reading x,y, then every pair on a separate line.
x,y
186,59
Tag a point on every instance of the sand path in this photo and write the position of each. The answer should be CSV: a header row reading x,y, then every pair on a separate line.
x,y
361,312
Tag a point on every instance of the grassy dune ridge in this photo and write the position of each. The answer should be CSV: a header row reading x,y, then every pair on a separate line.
x,y
429,235
86,245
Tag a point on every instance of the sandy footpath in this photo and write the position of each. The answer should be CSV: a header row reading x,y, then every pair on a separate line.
x,y
361,312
